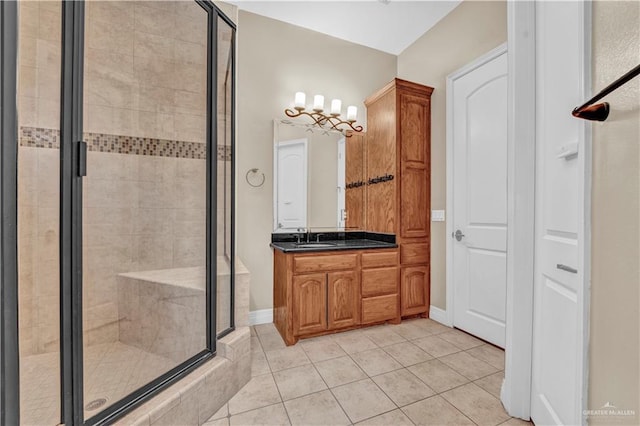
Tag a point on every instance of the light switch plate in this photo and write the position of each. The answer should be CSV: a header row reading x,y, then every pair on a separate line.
x,y
437,215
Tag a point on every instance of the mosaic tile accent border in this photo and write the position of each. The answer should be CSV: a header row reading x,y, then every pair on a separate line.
x,y
36,137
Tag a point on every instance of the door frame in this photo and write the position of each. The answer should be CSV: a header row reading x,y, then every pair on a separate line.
x,y
451,78
516,388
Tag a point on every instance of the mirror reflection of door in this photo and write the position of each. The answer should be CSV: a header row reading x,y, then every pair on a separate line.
x,y
291,184
333,198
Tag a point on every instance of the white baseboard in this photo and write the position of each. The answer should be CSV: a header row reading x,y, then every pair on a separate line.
x,y
439,315
262,316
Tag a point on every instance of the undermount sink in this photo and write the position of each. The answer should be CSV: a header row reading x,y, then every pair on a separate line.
x,y
314,245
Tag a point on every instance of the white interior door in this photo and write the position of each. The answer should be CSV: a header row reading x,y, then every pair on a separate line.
x,y
342,166
291,184
478,126
558,319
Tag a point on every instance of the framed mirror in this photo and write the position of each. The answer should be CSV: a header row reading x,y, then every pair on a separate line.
x,y
318,179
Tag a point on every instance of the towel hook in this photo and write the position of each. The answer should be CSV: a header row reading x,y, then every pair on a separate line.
x,y
254,171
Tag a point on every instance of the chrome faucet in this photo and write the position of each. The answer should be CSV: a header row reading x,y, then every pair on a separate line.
x,y
299,236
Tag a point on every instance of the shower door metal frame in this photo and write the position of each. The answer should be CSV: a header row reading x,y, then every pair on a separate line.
x,y
232,243
9,350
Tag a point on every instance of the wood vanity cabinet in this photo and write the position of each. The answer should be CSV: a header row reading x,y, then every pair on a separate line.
x,y
324,292
399,143
380,287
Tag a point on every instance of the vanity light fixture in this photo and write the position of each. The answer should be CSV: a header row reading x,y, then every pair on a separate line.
x,y
328,121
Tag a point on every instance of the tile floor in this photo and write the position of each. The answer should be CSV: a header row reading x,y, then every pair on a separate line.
x,y
418,372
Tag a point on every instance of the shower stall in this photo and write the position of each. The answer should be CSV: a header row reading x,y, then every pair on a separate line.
x,y
125,207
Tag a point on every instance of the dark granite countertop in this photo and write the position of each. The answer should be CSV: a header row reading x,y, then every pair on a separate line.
x,y
334,241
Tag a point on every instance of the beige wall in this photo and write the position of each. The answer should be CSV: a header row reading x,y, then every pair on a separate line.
x,y
470,30
275,60
614,371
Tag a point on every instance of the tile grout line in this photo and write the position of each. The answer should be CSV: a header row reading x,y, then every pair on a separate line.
x,y
229,415
329,388
370,378
281,398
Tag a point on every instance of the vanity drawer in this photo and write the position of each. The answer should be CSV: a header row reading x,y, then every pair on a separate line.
x,y
305,264
375,309
379,281
414,254
377,260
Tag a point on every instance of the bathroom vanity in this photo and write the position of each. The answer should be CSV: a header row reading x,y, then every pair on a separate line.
x,y
375,187
321,290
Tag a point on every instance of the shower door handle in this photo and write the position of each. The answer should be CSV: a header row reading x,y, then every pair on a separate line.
x,y
82,159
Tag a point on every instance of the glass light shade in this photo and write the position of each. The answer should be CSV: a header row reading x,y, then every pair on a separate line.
x,y
300,100
352,113
318,102
336,106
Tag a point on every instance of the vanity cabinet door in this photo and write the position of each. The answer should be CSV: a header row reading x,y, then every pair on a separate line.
x,y
309,304
344,299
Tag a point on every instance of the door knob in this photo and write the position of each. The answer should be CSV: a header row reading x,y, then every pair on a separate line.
x,y
458,235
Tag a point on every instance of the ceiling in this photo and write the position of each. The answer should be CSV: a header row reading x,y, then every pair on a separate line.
x,y
390,26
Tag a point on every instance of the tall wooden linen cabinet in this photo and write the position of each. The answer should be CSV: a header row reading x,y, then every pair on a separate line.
x,y
398,142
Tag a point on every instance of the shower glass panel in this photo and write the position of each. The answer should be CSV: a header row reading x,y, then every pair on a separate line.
x,y
224,126
144,208
38,96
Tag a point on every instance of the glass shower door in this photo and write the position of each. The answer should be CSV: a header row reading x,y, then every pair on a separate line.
x,y
145,194
125,185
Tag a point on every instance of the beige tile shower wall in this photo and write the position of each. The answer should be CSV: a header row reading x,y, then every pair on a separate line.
x,y
143,70
38,272
39,64
141,213
145,78
38,177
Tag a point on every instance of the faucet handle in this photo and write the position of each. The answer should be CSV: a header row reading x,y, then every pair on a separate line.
x,y
318,237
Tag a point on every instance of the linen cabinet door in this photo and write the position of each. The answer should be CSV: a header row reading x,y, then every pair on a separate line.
x,y
414,289
309,304
415,166
344,299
